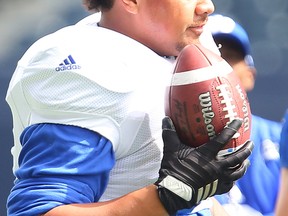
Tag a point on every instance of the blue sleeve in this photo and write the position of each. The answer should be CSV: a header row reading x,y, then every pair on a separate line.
x,y
58,165
284,143
260,183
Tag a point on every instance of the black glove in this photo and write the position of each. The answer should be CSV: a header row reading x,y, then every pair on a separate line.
x,y
189,175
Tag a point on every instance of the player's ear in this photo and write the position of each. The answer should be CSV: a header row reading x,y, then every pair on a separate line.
x,y
131,5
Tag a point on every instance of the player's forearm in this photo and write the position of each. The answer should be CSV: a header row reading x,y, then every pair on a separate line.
x,y
142,202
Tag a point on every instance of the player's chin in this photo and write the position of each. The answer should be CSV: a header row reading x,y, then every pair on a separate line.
x,y
187,41
192,38
249,86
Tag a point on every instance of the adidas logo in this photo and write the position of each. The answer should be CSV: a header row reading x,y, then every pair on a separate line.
x,y
68,64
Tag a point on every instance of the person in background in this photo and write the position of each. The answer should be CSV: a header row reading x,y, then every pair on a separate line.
x,y
282,199
91,136
258,189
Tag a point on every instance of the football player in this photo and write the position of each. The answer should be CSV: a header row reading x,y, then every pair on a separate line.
x,y
90,133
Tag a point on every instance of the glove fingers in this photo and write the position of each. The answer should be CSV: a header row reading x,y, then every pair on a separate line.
x,y
223,138
169,136
167,124
240,155
239,171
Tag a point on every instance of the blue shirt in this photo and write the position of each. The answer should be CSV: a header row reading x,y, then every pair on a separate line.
x,y
259,185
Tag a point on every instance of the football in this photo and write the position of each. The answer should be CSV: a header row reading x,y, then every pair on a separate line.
x,y
204,96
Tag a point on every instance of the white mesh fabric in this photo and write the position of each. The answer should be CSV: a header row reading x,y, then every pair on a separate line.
x,y
116,89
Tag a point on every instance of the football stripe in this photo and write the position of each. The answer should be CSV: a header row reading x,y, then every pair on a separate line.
x,y
201,74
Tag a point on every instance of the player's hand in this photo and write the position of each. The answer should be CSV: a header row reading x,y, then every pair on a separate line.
x,y
189,175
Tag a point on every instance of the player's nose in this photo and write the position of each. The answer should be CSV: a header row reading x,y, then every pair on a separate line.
x,y
204,7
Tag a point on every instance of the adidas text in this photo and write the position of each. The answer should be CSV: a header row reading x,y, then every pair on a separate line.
x,y
68,67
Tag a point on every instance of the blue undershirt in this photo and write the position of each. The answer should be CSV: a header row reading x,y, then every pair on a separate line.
x,y
58,165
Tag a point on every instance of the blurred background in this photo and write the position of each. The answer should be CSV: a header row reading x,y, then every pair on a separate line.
x,y
23,22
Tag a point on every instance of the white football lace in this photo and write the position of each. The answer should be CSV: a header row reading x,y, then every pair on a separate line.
x,y
229,107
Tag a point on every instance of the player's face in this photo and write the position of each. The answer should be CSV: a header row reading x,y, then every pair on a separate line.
x,y
169,25
246,74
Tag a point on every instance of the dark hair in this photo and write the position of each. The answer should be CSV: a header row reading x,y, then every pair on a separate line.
x,y
98,5
230,49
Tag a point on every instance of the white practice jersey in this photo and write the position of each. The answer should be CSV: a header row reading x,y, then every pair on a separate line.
x,y
98,79
95,78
